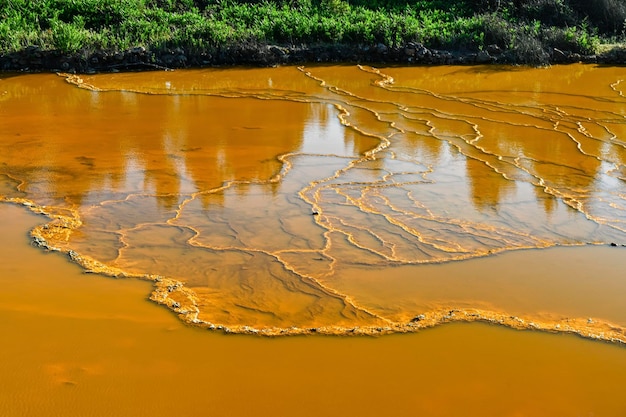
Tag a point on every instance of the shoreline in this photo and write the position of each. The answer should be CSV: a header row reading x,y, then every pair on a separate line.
x,y
87,336
83,37
35,59
181,300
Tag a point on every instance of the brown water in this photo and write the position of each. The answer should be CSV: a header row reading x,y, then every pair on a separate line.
x,y
78,345
334,199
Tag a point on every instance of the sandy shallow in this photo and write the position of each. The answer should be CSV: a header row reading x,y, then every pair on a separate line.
x,y
79,344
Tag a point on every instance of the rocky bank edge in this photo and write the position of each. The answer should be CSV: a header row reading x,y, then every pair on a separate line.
x,y
35,59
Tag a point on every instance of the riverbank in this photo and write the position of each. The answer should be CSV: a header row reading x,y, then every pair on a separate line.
x,y
87,36
35,59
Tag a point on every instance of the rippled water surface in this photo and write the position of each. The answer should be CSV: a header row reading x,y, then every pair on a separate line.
x,y
335,199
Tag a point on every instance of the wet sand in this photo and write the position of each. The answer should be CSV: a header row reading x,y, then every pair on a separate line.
x,y
79,344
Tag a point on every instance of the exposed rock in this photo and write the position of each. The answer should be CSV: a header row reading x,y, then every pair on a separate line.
x,y
277,51
381,48
167,59
614,56
418,318
494,49
34,58
483,57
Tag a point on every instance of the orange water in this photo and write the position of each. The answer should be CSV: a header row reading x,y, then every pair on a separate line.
x,y
334,199
341,199
76,344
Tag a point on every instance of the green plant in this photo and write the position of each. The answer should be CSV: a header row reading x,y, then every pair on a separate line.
x,y
69,37
521,26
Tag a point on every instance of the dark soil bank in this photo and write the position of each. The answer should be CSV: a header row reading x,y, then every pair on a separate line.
x,y
104,35
35,59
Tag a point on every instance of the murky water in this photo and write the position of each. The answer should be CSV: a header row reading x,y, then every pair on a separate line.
x,y
78,345
335,199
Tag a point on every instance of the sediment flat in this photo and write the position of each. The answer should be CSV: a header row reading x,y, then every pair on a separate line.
x,y
79,344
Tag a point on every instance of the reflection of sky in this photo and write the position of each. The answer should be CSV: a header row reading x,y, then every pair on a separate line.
x,y
608,196
434,195
95,99
134,175
323,133
605,179
174,152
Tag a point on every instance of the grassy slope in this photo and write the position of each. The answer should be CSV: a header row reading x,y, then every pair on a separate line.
x,y
528,28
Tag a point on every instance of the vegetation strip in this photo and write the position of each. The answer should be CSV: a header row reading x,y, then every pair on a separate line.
x,y
96,35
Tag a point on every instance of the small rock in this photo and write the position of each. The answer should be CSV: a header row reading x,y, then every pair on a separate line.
x,y
494,49
418,318
167,59
422,52
279,52
381,48
483,57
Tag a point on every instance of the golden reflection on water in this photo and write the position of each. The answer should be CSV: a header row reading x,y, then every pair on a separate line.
x,y
298,200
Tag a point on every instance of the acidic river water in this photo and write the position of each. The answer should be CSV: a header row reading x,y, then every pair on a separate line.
x,y
338,200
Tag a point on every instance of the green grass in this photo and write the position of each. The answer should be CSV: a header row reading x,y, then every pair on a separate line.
x,y
525,27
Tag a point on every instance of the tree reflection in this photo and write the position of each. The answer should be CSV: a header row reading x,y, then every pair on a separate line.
x,y
487,187
176,144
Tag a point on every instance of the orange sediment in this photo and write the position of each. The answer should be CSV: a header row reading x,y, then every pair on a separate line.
x,y
256,201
